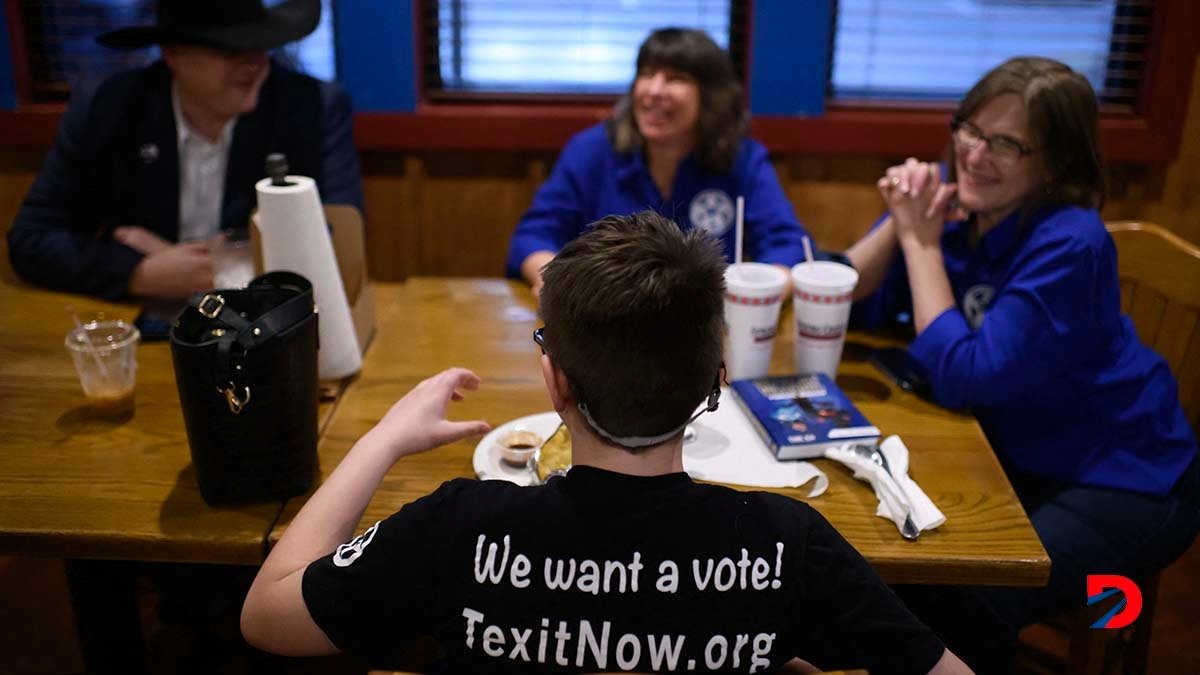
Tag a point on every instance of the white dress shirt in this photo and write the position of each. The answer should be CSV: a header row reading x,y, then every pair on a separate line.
x,y
202,166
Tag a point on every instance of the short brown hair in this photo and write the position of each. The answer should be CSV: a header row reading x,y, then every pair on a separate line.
x,y
722,116
634,315
1063,120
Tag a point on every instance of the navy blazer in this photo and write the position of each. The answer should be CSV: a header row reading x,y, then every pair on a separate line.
x,y
116,162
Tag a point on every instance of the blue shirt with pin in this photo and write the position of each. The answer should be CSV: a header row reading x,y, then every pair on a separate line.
x,y
591,180
1040,352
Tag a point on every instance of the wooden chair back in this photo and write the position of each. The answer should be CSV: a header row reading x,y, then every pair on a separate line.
x,y
1160,291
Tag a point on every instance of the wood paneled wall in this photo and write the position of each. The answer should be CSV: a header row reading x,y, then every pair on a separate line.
x,y
451,213
1169,196
17,169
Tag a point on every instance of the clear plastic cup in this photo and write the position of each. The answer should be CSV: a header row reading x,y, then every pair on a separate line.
x,y
105,356
821,295
753,295
232,259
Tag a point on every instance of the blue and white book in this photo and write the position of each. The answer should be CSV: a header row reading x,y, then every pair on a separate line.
x,y
799,416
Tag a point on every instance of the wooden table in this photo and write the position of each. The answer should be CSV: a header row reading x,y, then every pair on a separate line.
x,y
73,486
486,325
98,492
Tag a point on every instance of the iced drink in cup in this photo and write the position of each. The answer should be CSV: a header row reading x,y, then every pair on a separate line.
x,y
105,356
753,294
821,292
232,259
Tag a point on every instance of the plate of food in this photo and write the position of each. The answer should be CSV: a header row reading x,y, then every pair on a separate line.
x,y
505,453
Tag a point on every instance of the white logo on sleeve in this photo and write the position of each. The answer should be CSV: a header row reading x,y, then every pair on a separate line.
x,y
975,303
348,553
711,211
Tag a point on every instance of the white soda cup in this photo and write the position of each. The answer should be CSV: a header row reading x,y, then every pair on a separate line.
x,y
753,295
821,305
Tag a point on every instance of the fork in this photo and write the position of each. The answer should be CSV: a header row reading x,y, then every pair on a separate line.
x,y
909,530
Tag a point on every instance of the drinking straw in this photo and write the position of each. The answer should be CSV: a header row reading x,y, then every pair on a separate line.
x,y
87,336
808,254
737,237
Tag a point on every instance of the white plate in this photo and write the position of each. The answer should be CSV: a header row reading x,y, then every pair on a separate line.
x,y
487,462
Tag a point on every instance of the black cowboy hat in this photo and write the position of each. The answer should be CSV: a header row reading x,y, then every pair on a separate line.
x,y
237,25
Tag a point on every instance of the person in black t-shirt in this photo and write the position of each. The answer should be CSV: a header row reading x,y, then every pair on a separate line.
x,y
623,563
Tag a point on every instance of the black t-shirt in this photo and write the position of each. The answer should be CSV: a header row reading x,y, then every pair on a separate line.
x,y
605,571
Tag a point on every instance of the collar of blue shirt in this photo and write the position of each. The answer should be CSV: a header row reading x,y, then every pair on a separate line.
x,y
1000,239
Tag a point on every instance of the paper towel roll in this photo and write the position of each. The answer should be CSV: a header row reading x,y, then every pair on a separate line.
x,y
295,238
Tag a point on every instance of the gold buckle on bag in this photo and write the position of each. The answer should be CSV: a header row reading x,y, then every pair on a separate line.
x,y
235,404
210,305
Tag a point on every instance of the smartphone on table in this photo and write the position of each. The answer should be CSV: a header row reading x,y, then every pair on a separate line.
x,y
156,318
903,369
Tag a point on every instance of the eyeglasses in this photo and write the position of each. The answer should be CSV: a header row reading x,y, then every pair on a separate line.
x,y
1004,148
714,398
539,336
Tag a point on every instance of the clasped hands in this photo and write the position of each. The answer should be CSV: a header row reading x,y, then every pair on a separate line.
x,y
168,270
919,202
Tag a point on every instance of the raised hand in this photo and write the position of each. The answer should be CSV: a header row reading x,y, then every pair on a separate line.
x,y
417,422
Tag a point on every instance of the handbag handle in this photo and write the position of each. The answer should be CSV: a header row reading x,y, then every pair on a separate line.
x,y
248,334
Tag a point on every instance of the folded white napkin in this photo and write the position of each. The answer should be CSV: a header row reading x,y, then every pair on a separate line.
x,y
896,497
726,449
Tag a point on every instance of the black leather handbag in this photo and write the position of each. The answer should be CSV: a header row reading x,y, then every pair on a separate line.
x,y
246,367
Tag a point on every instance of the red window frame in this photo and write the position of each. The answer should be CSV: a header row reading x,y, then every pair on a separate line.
x,y
1150,133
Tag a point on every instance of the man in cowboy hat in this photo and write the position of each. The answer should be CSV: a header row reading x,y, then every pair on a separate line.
x,y
157,160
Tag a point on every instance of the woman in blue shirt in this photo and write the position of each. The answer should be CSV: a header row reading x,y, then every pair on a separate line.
x,y
675,144
1011,281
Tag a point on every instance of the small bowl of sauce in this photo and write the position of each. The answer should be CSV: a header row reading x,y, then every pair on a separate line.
x,y
519,445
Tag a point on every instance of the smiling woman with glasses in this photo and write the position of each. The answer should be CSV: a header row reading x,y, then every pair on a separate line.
x,y
1003,148
1010,279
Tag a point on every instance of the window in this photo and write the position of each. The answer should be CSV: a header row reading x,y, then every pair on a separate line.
x,y
553,46
60,35
315,54
414,90
61,51
936,49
